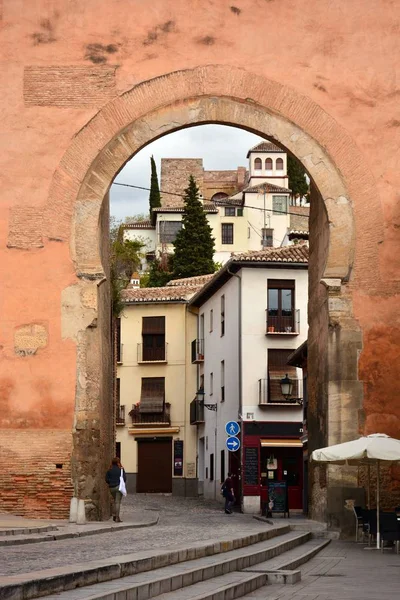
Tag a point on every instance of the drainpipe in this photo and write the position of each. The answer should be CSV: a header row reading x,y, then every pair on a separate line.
x,y
240,408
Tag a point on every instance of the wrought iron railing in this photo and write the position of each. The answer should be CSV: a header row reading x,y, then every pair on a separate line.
x,y
196,412
120,417
197,351
144,418
268,393
287,324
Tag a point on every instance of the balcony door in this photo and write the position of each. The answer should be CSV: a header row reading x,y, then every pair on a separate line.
x,y
281,305
153,336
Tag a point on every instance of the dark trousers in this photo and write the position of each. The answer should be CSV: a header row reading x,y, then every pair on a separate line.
x,y
117,496
228,502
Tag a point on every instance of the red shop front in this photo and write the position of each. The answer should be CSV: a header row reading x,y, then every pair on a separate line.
x,y
272,452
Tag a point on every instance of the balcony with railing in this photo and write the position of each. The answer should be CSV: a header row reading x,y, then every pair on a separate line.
x,y
154,419
120,416
196,411
152,354
197,351
120,353
282,323
269,393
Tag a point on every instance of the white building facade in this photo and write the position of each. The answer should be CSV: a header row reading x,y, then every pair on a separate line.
x,y
255,217
252,315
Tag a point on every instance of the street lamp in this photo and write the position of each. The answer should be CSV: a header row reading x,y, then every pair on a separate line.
x,y
286,387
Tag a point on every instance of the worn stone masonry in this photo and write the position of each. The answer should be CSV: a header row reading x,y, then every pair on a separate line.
x,y
85,86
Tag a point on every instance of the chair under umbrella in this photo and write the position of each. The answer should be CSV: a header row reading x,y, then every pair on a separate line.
x,y
371,449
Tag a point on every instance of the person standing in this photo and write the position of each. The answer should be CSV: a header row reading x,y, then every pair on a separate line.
x,y
113,478
227,492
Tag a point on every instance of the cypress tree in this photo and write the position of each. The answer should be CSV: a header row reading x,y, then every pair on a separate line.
x,y
297,179
154,197
194,244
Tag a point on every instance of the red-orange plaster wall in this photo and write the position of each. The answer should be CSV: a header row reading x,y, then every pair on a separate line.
x,y
342,55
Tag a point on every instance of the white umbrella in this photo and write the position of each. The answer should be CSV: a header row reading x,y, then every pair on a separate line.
x,y
365,451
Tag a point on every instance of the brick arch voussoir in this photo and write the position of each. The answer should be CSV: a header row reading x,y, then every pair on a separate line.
x,y
102,147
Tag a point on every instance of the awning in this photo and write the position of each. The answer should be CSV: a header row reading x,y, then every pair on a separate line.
x,y
280,443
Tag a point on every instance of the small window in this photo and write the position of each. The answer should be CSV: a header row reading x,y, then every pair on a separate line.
x,y
229,211
248,233
258,164
227,233
222,381
222,315
279,164
279,205
169,230
211,384
201,327
268,164
267,237
239,212
211,320
211,467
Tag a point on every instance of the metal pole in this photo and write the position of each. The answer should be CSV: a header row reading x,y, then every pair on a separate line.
x,y
378,533
369,486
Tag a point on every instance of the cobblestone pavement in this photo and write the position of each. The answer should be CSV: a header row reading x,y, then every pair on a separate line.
x,y
341,571
182,520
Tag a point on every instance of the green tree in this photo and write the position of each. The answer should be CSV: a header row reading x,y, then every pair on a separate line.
x,y
194,244
154,197
158,274
297,178
124,260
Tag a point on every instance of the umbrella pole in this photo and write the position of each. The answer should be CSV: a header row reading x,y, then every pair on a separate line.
x,y
378,532
369,487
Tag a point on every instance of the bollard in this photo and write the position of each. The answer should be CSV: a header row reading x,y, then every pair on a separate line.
x,y
81,516
73,510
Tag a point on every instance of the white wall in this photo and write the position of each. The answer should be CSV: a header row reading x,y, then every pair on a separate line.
x,y
218,348
256,219
255,343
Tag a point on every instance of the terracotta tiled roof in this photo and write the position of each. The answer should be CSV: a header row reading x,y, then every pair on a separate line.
x,y
265,147
267,188
159,294
139,225
285,254
298,232
191,281
208,207
232,201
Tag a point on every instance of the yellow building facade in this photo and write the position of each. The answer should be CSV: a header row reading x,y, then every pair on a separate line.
x,y
156,381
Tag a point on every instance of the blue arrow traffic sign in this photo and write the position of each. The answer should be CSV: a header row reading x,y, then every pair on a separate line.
x,y
232,443
232,428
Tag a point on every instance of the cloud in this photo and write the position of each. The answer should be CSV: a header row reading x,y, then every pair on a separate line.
x,y
220,147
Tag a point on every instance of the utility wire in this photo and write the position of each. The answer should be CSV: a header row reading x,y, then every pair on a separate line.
x,y
282,212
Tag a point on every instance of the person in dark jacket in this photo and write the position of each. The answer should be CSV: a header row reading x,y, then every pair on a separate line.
x,y
112,478
227,492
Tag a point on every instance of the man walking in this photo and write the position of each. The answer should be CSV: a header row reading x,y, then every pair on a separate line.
x,y
227,492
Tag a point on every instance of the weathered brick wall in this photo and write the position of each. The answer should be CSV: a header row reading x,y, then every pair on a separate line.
x,y
35,474
175,173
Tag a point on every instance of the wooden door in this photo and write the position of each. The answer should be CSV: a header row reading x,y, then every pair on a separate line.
x,y
290,468
154,466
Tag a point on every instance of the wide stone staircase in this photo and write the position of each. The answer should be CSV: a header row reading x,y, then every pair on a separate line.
x,y
220,570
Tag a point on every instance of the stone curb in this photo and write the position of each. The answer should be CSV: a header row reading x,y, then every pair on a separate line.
x,y
60,535
51,581
27,530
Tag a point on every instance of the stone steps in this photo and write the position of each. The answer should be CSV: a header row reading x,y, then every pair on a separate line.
x,y
190,573
290,560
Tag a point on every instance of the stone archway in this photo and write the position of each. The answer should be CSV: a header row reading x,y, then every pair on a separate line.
x,y
230,96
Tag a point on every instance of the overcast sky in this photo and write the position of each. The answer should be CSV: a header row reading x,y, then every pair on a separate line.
x,y
219,146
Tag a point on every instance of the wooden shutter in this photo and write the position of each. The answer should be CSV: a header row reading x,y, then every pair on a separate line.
x,y
153,395
277,369
153,326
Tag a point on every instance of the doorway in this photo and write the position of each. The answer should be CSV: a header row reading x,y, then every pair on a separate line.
x,y
283,464
154,466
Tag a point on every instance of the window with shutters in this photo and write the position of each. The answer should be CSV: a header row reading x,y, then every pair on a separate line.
x,y
227,233
152,398
277,370
222,315
279,164
222,381
153,338
268,164
169,230
211,467
279,205
258,164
